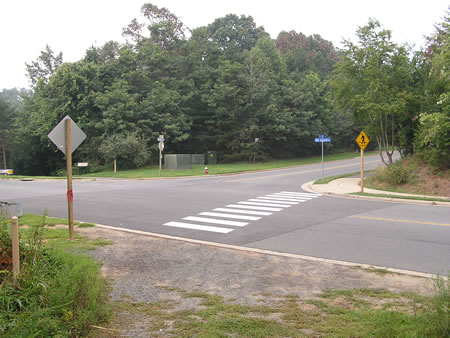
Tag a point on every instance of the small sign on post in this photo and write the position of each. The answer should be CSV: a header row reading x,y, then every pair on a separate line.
x,y
161,148
362,141
67,136
322,139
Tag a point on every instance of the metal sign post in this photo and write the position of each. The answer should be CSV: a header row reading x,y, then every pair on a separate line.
x,y
362,141
322,139
161,148
67,136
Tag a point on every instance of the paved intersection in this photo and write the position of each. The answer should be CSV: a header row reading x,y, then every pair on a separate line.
x,y
360,231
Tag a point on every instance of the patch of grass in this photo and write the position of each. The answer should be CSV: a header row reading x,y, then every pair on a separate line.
x,y
415,198
217,169
198,170
36,220
341,313
86,225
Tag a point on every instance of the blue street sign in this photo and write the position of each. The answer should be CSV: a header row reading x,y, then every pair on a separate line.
x,y
320,140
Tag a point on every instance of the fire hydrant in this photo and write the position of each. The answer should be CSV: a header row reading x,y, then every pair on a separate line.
x,y
206,170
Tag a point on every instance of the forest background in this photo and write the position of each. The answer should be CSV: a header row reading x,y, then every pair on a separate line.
x,y
223,86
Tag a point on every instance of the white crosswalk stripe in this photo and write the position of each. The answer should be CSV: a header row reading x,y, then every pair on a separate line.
x,y
251,210
270,199
299,193
292,199
218,214
267,204
198,227
215,221
252,207
248,212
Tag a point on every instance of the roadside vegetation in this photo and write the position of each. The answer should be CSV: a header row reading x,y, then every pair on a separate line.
x,y
341,313
59,291
199,170
229,87
411,175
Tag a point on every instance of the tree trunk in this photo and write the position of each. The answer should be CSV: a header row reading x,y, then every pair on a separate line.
x,y
4,153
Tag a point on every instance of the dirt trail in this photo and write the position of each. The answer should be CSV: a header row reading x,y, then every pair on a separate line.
x,y
143,268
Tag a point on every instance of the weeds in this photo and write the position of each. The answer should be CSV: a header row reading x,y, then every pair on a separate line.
x,y
56,294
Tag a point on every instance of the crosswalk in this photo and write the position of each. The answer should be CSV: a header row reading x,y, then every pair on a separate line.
x,y
234,216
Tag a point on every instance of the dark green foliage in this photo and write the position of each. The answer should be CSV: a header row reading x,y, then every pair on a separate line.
x,y
433,139
128,149
226,85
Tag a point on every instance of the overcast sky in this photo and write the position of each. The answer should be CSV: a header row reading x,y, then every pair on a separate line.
x,y
72,26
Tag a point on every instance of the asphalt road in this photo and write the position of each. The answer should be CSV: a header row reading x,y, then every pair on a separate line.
x,y
265,210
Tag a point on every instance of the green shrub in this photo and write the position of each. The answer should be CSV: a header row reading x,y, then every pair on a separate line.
x,y
396,174
433,139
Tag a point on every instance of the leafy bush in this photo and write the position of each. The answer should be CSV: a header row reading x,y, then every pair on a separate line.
x,y
396,174
130,150
433,139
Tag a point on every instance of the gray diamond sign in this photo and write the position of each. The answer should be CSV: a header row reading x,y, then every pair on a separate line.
x,y
58,137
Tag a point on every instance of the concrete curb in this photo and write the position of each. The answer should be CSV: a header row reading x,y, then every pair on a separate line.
x,y
309,186
273,253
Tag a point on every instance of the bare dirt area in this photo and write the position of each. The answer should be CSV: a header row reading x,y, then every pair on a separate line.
x,y
153,272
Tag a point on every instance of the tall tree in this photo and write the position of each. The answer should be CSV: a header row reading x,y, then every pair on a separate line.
x,y
165,28
433,135
44,66
6,118
373,80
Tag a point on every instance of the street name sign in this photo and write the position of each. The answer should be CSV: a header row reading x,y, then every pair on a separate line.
x,y
325,139
322,139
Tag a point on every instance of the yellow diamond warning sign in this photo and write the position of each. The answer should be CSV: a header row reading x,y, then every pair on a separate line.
x,y
362,140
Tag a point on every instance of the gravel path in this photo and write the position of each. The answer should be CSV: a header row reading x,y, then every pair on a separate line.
x,y
145,269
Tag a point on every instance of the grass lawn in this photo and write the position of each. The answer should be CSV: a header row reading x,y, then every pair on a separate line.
x,y
228,168
198,170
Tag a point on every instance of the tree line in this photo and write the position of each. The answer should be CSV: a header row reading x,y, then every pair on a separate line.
x,y
230,88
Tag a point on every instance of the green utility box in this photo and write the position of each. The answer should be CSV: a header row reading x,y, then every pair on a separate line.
x,y
211,157
177,161
198,159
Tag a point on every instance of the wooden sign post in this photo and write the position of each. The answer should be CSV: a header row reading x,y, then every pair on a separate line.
x,y
69,177
362,141
67,136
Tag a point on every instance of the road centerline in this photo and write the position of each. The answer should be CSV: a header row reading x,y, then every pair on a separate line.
x,y
398,220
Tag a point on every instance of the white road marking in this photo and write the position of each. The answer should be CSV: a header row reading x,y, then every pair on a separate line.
x,y
260,206
218,214
273,199
267,204
215,221
248,212
292,199
300,193
254,208
198,227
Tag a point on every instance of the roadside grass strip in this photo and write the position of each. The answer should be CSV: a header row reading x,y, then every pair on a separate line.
x,y
251,210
